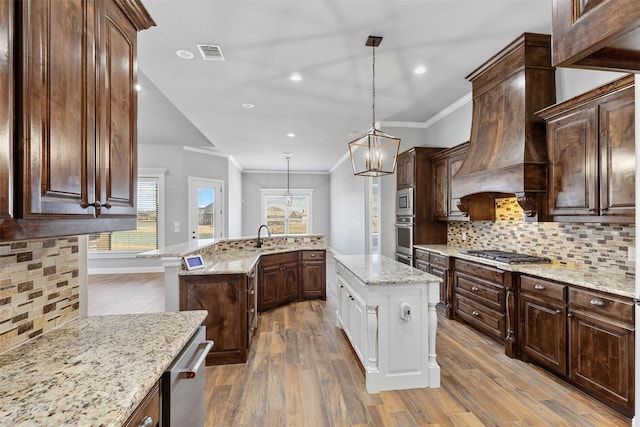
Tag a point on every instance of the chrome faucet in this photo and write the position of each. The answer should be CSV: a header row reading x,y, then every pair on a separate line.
x,y
259,241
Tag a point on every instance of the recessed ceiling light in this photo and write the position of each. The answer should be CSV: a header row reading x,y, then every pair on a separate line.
x,y
184,54
295,77
420,69
247,105
138,87
291,134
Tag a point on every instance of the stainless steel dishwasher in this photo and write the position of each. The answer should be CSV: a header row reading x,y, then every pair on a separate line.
x,y
183,384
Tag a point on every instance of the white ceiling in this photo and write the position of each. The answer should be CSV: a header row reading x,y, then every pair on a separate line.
x,y
265,41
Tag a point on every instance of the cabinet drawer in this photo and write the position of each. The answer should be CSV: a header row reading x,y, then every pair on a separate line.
x,y
482,271
313,255
439,260
543,288
606,304
486,293
423,255
277,259
150,407
480,316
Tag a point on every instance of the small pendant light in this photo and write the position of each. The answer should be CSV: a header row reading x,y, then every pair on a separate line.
x,y
374,153
288,197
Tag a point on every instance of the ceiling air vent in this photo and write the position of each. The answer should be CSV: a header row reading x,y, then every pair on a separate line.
x,y
210,52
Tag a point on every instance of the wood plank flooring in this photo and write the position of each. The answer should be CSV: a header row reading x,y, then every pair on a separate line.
x,y
301,372
125,293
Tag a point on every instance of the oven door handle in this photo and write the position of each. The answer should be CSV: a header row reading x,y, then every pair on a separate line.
x,y
404,225
191,371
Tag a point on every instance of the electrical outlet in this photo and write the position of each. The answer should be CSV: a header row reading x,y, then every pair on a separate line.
x,y
631,253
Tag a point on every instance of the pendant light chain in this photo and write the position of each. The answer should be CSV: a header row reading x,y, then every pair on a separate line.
x,y
288,175
373,84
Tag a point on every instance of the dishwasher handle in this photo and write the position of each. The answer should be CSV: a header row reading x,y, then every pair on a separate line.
x,y
191,371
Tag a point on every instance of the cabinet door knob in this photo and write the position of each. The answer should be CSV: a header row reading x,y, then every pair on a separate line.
x,y
146,422
597,302
252,291
474,289
107,205
539,287
95,204
313,255
475,313
558,311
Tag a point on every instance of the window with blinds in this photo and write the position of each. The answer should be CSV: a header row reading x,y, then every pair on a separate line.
x,y
145,237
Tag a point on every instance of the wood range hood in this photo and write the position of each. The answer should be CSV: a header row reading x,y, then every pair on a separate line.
x,y
507,149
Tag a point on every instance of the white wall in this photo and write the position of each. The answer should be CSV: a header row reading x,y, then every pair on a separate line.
x,y
347,218
234,198
252,182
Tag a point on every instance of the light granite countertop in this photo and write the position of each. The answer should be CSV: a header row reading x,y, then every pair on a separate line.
x,y
611,282
92,371
241,261
380,270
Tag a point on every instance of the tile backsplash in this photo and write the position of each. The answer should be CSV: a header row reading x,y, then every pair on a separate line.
x,y
38,287
600,247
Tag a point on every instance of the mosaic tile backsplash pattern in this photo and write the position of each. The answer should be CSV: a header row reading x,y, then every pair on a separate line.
x,y
600,247
38,288
268,242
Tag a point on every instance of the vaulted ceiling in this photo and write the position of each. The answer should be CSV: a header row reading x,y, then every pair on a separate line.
x,y
199,102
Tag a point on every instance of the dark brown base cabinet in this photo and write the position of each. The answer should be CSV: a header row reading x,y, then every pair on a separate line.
x,y
440,266
482,297
230,300
313,275
290,277
586,337
278,280
543,323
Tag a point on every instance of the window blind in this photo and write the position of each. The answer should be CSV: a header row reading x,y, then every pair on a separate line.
x,y
145,237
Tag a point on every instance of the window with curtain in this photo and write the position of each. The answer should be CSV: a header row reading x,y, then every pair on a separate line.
x,y
287,220
146,236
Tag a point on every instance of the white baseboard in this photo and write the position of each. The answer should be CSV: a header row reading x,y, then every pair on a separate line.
x,y
127,270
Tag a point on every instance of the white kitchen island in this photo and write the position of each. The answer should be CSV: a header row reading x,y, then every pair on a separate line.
x,y
387,310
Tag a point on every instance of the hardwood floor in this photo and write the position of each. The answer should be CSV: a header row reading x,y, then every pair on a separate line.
x,y
125,293
301,372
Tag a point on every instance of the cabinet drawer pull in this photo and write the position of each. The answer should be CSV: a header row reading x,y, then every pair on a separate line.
x,y
97,204
475,289
313,255
539,287
475,313
558,311
597,302
146,422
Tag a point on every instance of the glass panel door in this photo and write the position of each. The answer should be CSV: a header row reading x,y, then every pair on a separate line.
x,y
205,208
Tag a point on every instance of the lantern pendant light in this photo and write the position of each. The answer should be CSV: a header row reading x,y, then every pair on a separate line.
x,y
288,197
374,153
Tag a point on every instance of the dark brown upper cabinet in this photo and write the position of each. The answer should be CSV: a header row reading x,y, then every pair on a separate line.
x,y
597,34
73,133
7,96
591,145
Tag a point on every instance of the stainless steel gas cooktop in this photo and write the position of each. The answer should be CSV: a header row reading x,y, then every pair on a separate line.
x,y
506,257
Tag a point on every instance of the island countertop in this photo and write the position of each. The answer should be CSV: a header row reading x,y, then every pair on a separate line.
x,y
91,371
380,270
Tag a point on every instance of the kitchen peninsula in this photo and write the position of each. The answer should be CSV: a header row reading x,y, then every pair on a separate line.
x,y
92,371
240,278
387,311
